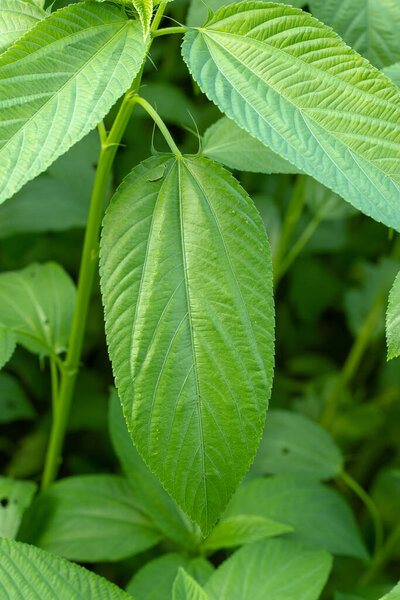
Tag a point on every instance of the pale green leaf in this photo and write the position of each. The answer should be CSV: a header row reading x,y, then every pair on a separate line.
x,y
154,581
37,303
393,72
187,290
198,9
89,54
293,84
273,570
8,341
319,516
293,444
370,27
89,518
15,497
14,404
242,529
145,11
232,146
157,504
186,588
394,594
16,18
393,320
29,573
58,199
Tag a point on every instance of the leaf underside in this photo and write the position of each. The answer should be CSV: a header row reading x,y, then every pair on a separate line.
x,y
16,18
291,82
187,290
58,82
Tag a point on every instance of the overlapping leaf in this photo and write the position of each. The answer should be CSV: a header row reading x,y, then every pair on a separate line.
x,y
186,588
371,28
393,320
27,572
58,82
292,83
186,280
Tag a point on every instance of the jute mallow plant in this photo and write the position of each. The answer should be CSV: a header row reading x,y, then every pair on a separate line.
x,y
187,282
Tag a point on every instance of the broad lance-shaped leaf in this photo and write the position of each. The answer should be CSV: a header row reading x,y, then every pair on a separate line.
x,y
393,320
58,82
187,290
292,83
27,572
371,28
187,588
16,18
232,146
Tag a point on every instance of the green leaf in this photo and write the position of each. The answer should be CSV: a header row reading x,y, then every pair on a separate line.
x,y
371,28
292,83
58,199
393,320
26,571
198,9
15,497
8,341
187,290
293,444
324,203
37,303
242,529
186,588
232,146
145,11
156,503
319,516
89,518
393,72
394,594
154,581
14,403
386,494
273,569
89,54
16,18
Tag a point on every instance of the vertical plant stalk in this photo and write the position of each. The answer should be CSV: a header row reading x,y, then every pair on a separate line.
x,y
381,557
370,505
89,261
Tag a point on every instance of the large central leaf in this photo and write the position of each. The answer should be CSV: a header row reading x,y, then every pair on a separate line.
x,y
186,279
291,82
58,82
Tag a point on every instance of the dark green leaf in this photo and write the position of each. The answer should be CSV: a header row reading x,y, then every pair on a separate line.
x,y
15,497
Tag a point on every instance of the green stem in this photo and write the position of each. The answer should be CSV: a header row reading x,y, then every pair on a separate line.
x,y
169,30
370,505
87,271
297,247
159,122
54,382
158,16
382,557
352,362
292,215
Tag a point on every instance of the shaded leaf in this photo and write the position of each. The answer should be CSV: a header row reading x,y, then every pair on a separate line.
x,y
15,497
242,529
14,403
24,570
293,84
187,290
37,304
273,569
319,516
89,518
16,18
393,72
232,146
394,594
89,56
393,320
324,203
386,494
295,445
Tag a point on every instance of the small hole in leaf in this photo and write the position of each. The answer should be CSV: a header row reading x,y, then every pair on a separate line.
x,y
4,502
285,450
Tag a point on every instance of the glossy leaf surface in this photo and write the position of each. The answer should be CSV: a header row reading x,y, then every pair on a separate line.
x,y
187,290
292,83
27,572
58,82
